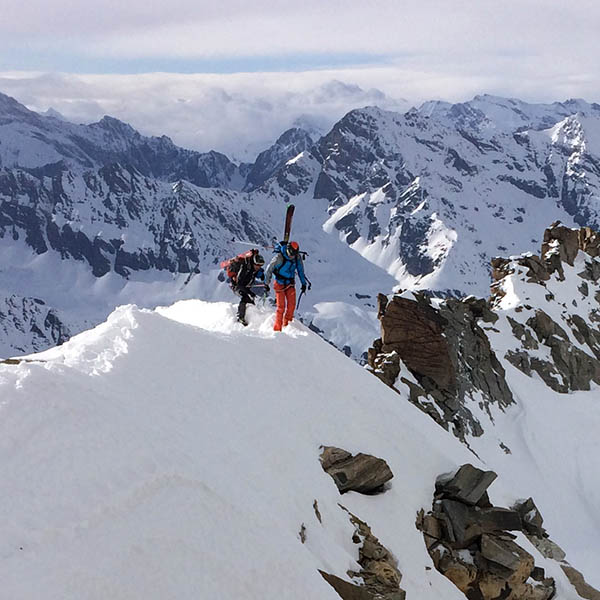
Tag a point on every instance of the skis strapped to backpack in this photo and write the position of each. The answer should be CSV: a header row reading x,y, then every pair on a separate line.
x,y
289,213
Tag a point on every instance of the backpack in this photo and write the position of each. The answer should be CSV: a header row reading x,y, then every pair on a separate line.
x,y
279,248
233,265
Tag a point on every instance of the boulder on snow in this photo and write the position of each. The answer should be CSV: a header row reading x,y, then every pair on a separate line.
x,y
362,473
469,542
467,485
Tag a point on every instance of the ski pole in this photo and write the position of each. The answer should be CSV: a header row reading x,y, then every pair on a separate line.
x,y
302,293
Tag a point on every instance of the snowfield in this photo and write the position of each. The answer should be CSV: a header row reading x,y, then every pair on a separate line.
x,y
175,454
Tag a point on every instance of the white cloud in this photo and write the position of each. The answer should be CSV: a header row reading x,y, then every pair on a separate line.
x,y
238,114
241,114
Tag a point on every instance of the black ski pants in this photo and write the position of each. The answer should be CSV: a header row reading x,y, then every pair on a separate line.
x,y
247,297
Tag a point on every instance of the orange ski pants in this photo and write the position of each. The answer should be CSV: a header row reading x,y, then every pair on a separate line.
x,y
286,303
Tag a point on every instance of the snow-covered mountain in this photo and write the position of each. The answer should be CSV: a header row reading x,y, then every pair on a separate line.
x,y
432,196
174,453
421,200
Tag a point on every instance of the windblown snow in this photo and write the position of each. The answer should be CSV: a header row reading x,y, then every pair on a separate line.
x,y
172,453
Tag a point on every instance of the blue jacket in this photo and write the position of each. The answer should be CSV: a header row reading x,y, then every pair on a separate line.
x,y
285,269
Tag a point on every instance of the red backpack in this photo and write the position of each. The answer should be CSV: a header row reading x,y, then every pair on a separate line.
x,y
232,266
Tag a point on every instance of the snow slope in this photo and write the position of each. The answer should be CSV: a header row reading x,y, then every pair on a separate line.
x,y
174,454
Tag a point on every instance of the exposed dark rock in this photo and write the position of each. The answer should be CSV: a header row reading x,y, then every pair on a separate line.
x,y
415,331
448,353
362,473
345,589
506,553
584,589
378,569
531,517
468,484
471,545
331,455
561,240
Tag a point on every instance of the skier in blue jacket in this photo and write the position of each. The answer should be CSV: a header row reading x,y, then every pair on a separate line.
x,y
284,265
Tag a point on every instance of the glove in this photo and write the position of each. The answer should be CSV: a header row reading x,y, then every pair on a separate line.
x,y
303,288
267,290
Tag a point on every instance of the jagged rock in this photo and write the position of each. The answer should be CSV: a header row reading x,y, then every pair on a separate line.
x,y
591,272
498,519
362,473
545,327
460,572
589,241
467,485
584,589
414,331
523,334
563,241
448,353
467,523
379,572
462,531
345,589
471,546
531,517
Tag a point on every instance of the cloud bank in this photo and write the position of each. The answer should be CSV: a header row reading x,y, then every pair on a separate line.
x,y
239,115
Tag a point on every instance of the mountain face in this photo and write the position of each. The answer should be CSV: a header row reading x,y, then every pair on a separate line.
x,y
31,141
431,200
421,200
27,323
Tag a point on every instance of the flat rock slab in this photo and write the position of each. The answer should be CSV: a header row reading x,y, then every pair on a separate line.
x,y
506,554
468,485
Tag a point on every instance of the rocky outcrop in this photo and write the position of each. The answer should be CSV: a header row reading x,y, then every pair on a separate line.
x,y
555,341
362,473
378,569
442,352
448,353
469,542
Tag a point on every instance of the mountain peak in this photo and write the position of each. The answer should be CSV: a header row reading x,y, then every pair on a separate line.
x,y
10,106
115,125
